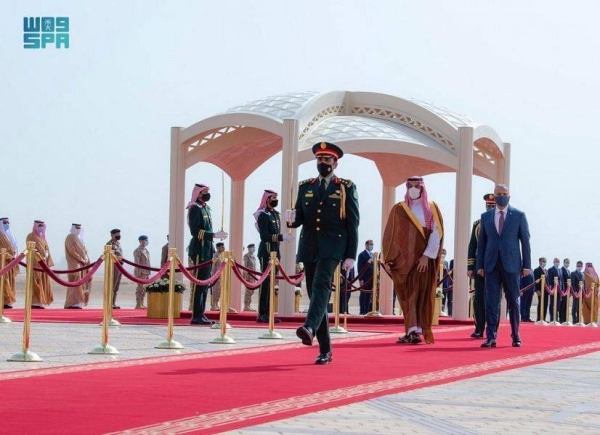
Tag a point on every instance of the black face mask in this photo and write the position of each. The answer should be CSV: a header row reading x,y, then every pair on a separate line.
x,y
206,197
117,237
274,203
324,169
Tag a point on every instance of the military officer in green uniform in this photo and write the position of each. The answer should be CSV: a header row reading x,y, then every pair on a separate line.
x,y
327,210
201,247
268,223
479,296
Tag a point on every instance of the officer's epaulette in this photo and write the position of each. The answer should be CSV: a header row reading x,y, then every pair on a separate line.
x,y
476,222
347,183
309,181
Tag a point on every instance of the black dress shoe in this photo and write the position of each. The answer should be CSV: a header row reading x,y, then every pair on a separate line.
x,y
490,342
116,307
324,358
7,307
261,319
477,335
306,334
37,307
72,308
201,322
516,341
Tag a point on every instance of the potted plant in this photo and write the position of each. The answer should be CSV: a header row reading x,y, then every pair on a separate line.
x,y
158,299
297,299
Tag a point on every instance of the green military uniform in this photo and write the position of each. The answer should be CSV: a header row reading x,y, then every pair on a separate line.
x,y
201,249
269,228
479,296
329,235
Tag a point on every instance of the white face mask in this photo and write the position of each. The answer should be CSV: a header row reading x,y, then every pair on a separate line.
x,y
579,269
414,193
251,250
557,265
6,226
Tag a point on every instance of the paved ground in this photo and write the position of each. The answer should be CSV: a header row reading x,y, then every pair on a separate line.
x,y
552,398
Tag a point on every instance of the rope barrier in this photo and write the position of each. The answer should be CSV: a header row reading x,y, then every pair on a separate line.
x,y
9,266
156,269
293,280
251,285
63,272
196,281
86,278
139,280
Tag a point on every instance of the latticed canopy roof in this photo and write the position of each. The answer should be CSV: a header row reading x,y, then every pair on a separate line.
x,y
394,132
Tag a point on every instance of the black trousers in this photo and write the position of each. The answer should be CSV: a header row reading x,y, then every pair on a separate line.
x,y
264,296
319,275
526,299
365,301
200,293
479,304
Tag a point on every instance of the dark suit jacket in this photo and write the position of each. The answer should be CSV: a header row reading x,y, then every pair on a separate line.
x,y
512,245
200,222
325,233
576,278
537,273
363,258
553,272
269,228
566,275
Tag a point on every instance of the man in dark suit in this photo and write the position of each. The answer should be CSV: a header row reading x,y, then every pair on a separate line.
x,y
479,281
201,247
566,275
503,257
526,298
556,272
365,258
537,274
576,278
327,210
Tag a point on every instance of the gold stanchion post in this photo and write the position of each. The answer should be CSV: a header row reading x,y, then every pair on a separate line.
x,y
541,300
375,312
3,254
223,301
109,269
472,299
272,334
225,296
593,312
169,343
580,323
555,321
104,347
337,329
566,322
26,355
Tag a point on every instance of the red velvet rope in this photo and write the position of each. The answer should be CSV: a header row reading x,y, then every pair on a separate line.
x,y
254,273
252,285
156,269
62,272
12,264
139,280
294,279
77,283
524,289
208,281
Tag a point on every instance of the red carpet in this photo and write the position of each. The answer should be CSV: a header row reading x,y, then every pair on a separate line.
x,y
214,392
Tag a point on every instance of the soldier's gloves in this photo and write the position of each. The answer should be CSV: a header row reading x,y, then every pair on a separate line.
x,y
348,264
287,237
221,235
290,215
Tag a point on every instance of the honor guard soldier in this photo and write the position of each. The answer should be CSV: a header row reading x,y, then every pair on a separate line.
x,y
479,296
268,223
201,247
327,210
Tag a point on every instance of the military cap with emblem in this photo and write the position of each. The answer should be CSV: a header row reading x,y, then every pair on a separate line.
x,y
489,198
327,149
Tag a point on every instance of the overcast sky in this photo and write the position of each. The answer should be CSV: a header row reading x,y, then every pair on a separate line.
x,y
85,132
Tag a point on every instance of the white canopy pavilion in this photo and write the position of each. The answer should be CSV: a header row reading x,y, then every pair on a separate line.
x,y
403,137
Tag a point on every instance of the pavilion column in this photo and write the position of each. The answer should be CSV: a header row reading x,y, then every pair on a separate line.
x,y
289,190
504,176
176,195
236,237
386,297
462,226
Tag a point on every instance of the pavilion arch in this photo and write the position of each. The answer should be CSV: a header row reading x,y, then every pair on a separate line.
x,y
403,137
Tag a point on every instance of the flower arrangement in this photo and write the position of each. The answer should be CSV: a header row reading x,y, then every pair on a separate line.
x,y
439,294
162,286
298,291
